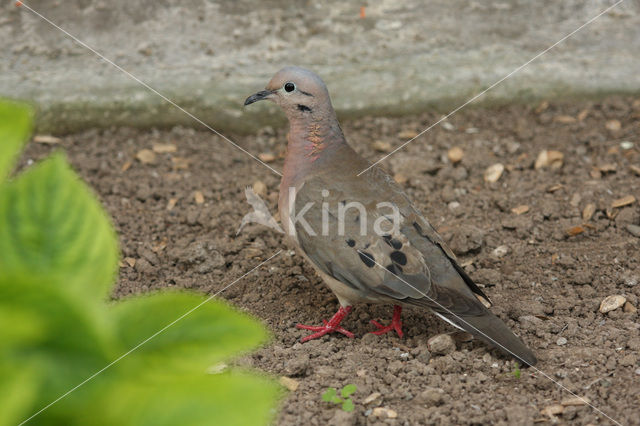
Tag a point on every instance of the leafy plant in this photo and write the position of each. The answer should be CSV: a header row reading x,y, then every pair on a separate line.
x,y
331,396
140,361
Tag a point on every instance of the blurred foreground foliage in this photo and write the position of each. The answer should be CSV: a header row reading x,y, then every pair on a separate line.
x,y
58,263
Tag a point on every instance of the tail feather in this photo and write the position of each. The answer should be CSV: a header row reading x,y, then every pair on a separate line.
x,y
492,330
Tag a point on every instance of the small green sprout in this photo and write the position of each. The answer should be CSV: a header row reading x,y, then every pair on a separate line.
x,y
516,372
331,396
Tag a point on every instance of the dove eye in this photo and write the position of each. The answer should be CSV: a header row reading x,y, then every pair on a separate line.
x,y
289,87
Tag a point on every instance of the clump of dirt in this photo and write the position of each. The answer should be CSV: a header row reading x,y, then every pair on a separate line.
x,y
548,240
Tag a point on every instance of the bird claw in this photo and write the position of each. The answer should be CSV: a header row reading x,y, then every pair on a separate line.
x,y
396,324
382,329
333,325
322,330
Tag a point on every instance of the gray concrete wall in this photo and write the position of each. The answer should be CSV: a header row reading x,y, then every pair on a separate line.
x,y
209,55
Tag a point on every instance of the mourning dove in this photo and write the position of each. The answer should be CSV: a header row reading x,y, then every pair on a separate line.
x,y
361,232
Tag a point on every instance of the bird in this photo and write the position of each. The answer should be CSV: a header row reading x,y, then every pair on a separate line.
x,y
361,232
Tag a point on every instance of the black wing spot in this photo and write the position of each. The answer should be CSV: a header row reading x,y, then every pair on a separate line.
x,y
304,108
394,269
397,245
398,257
351,243
418,228
367,259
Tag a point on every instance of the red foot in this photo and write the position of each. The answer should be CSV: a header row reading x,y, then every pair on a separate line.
x,y
396,323
332,325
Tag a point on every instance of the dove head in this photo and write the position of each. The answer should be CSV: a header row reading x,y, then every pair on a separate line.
x,y
300,93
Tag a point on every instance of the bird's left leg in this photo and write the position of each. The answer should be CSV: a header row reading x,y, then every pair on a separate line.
x,y
396,323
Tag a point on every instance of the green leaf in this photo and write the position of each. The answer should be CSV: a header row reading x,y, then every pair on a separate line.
x,y
159,397
198,333
347,405
15,126
54,231
66,336
348,390
19,389
329,395
336,399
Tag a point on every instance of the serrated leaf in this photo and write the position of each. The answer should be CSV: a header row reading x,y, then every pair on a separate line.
x,y
348,390
15,126
329,394
347,405
160,397
54,231
198,334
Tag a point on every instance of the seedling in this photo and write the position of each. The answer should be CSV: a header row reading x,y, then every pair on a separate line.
x,y
331,396
516,373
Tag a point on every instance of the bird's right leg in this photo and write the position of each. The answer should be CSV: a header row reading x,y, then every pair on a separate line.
x,y
329,326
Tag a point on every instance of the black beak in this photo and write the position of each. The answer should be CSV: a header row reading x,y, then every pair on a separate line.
x,y
257,97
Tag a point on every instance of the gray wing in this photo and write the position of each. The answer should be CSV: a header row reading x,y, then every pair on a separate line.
x,y
377,243
366,234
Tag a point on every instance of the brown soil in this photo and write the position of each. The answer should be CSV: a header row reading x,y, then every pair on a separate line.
x,y
547,287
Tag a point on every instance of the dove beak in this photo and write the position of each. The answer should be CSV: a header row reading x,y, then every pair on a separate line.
x,y
263,94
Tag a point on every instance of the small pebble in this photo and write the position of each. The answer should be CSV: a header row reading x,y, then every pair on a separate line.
x,y
146,156
561,341
371,398
588,211
382,146
455,154
633,230
260,188
522,209
493,172
267,157
385,412
552,159
500,251
611,303
289,383
441,344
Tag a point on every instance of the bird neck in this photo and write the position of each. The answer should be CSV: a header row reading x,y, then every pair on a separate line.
x,y
312,141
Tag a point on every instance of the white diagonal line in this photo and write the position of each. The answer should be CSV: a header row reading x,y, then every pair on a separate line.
x,y
149,338
494,342
133,77
494,85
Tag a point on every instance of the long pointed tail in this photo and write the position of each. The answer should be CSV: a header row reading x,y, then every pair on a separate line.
x,y
492,330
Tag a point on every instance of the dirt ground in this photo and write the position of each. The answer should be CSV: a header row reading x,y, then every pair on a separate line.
x,y
547,269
